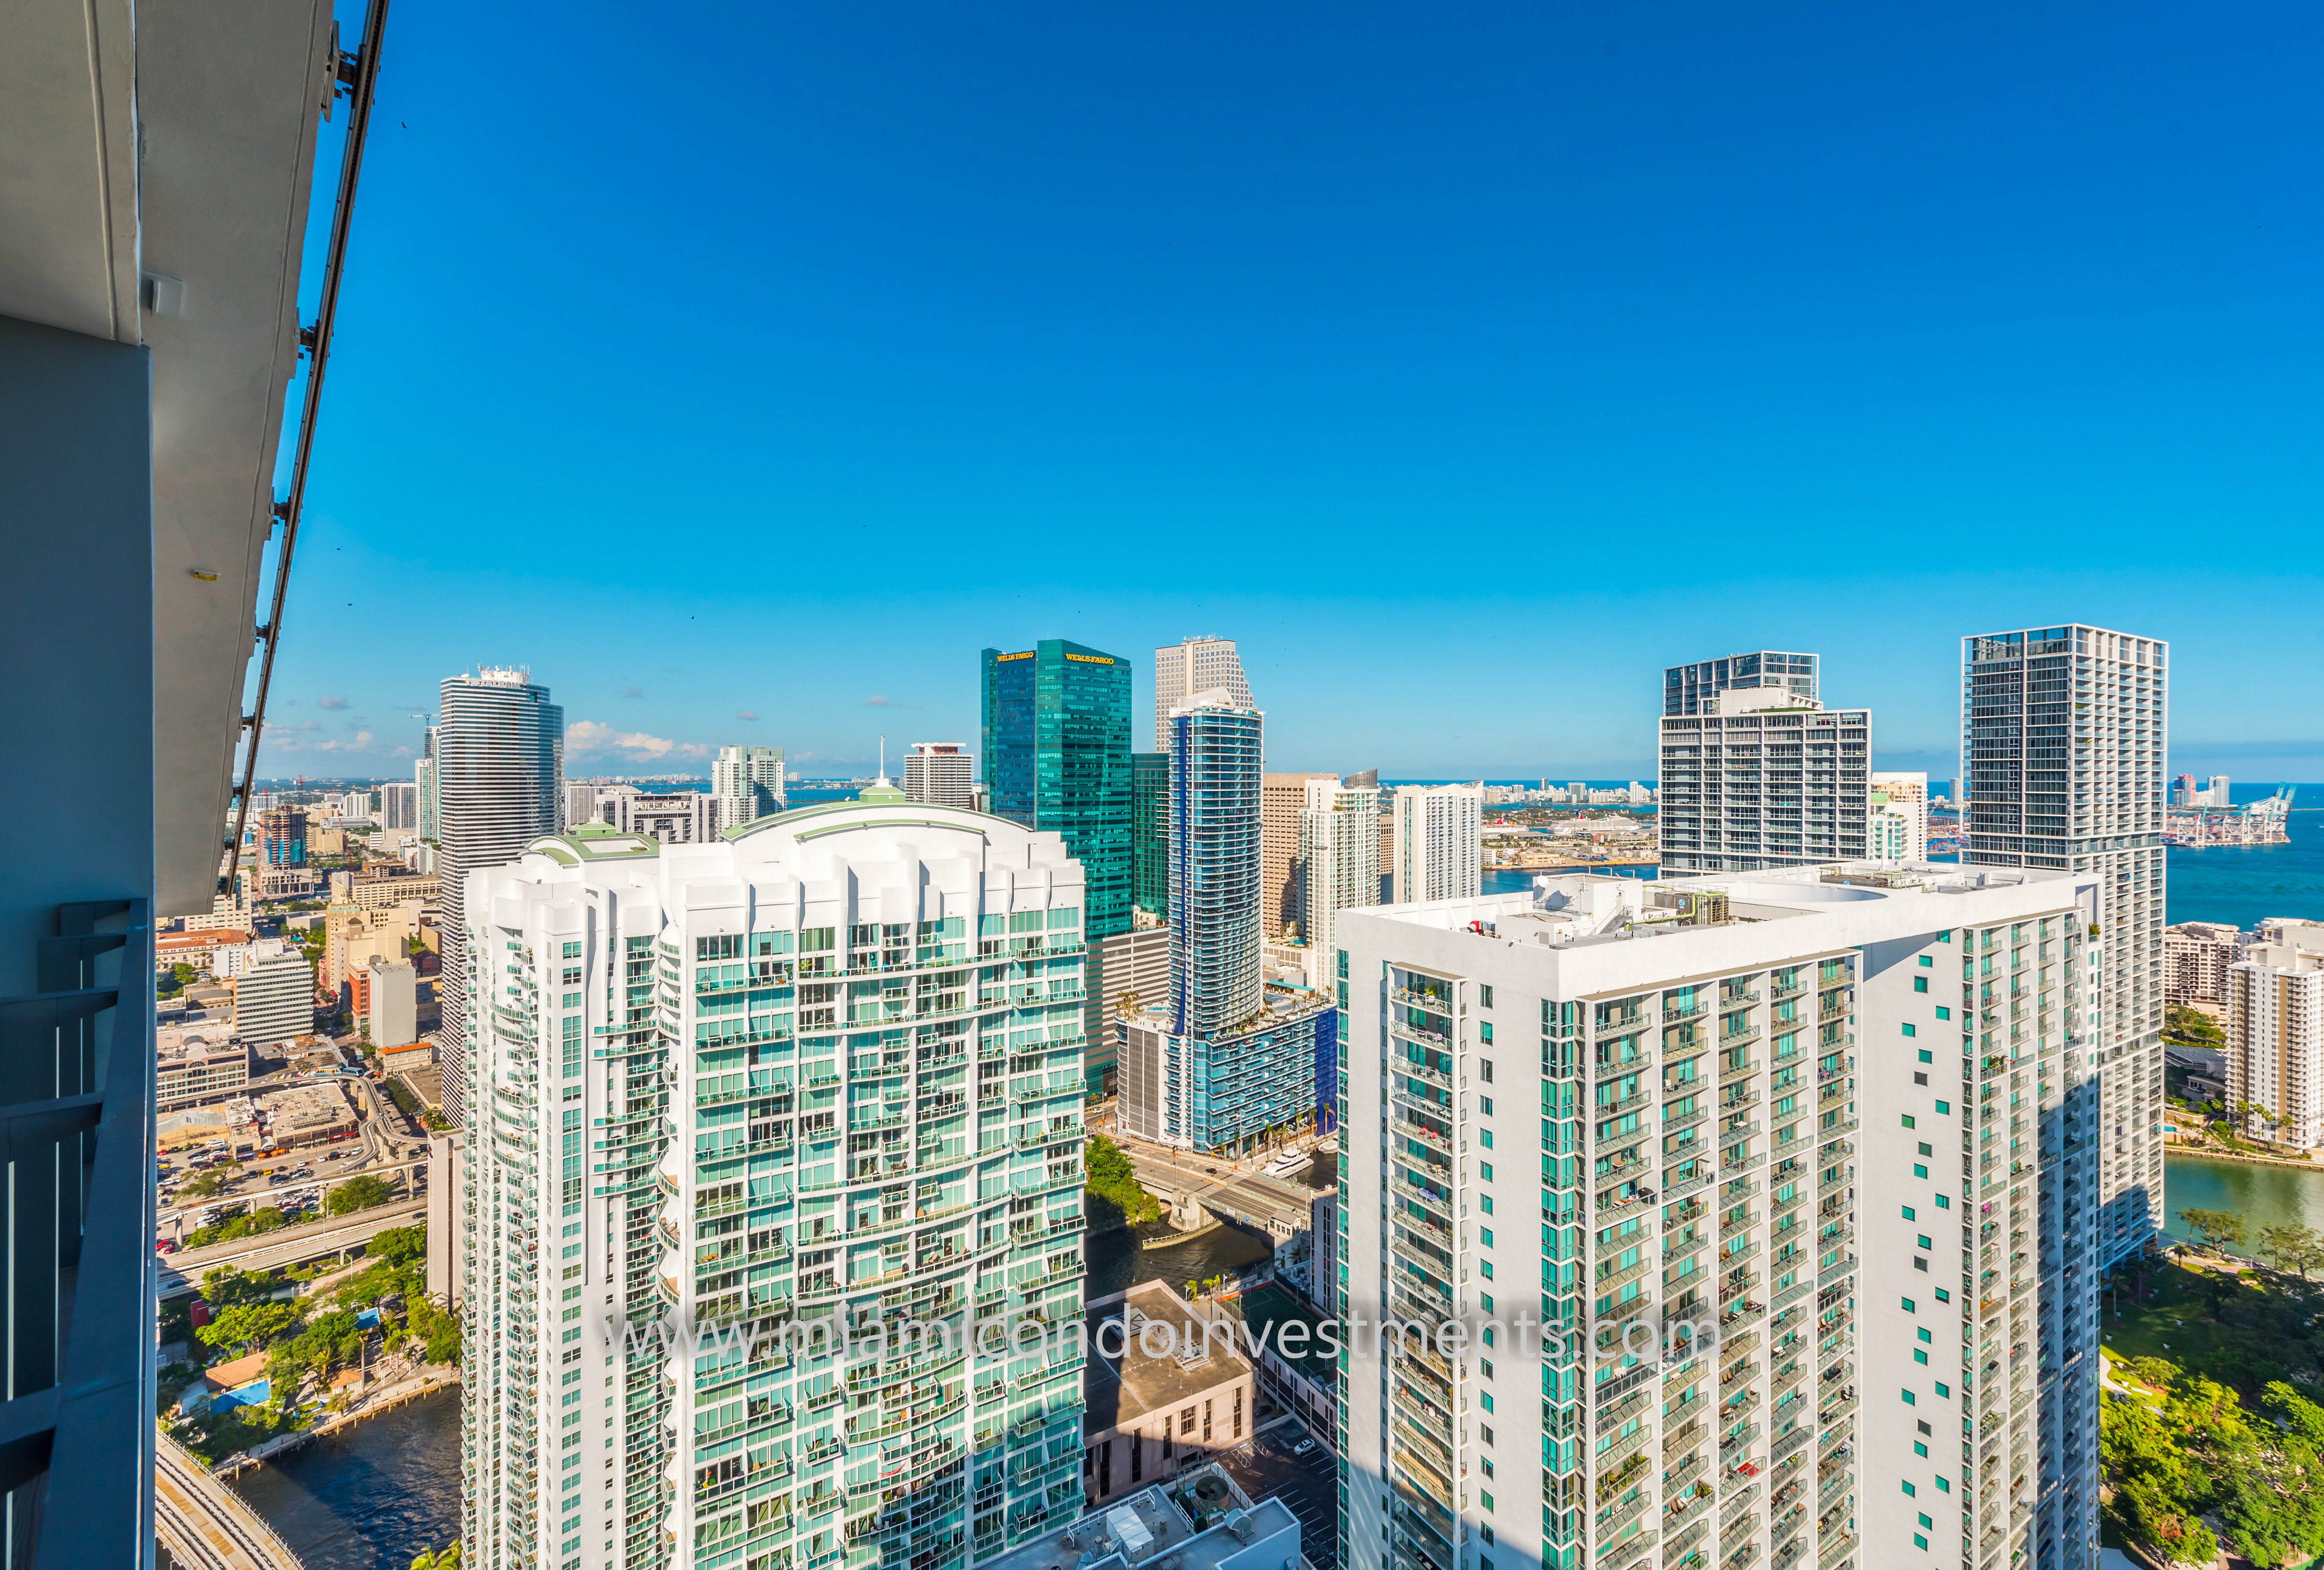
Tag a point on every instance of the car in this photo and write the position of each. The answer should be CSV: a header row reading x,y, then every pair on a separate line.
x,y
163,1246
336,1156
1304,1446
1213,1170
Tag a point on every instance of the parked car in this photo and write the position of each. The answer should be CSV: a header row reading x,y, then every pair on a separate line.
x,y
163,1246
1304,1446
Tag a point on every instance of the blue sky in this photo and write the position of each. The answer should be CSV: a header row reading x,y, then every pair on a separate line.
x,y
1468,365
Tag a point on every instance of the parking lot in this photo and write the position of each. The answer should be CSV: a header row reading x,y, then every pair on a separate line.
x,y
1308,1484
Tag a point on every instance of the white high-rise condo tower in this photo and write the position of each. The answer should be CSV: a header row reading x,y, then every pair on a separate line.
x,y
1810,1252
1440,841
747,1098
2064,732
1195,665
500,765
748,782
1339,860
942,772
1756,772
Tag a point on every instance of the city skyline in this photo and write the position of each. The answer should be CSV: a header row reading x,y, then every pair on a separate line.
x,y
1620,312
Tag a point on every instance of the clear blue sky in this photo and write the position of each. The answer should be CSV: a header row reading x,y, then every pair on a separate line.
x,y
1466,364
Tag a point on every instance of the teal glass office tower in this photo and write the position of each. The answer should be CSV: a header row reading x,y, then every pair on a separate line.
x,y
1149,831
1057,757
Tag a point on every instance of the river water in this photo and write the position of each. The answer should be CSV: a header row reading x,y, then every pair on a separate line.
x,y
371,1497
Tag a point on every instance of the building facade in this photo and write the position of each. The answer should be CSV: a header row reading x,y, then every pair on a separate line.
x,y
1687,688
1150,832
2274,1025
499,752
2196,958
1283,797
1056,760
1217,749
1338,864
399,807
2064,733
1763,777
1198,664
423,770
274,996
1439,841
1901,796
865,1020
942,772
282,837
1782,1326
671,817
747,782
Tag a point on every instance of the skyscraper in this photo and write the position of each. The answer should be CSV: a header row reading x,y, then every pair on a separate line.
x,y
748,782
1338,863
942,772
1755,772
2064,732
1225,1061
1685,687
1283,797
1731,1275
282,837
398,806
1057,759
1150,832
1195,665
431,816
1440,841
500,765
1216,758
866,1017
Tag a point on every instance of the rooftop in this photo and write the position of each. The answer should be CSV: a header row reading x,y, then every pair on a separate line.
x,y
1160,1527
1121,1390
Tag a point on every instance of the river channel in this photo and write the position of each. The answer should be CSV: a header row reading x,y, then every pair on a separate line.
x,y
2263,1195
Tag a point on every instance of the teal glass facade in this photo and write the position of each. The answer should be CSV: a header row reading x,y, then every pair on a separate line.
x,y
1056,757
1149,831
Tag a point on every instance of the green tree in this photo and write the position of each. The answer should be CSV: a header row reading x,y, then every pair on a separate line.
x,y
399,1245
2292,1247
1108,1175
359,1193
226,1286
2191,1027
202,1186
2214,1229
248,1324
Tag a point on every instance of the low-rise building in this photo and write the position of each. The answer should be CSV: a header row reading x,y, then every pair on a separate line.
x,y
1166,1390
308,1114
1205,1522
190,1069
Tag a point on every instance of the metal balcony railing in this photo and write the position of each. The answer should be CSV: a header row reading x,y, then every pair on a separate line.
x,y
77,1080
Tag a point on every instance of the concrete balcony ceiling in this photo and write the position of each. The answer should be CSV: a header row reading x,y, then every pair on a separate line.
x,y
156,166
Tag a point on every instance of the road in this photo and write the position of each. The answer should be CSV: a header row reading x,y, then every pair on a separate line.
x,y
382,1146
182,1272
204,1523
1280,1206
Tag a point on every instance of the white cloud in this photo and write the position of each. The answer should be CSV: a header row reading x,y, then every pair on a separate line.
x,y
746,714
587,738
885,703
330,702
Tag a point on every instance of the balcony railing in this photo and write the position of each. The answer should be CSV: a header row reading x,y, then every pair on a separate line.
x,y
77,1078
